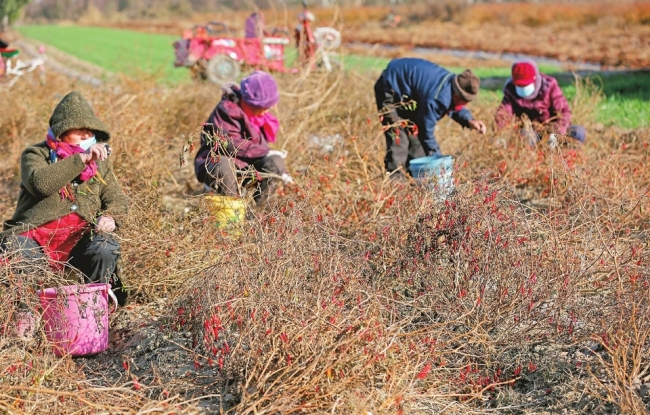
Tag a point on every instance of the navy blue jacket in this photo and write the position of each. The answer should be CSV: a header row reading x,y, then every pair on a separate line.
x,y
429,85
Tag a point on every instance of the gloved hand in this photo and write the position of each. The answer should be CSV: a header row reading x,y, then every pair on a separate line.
x,y
286,178
279,153
105,224
552,141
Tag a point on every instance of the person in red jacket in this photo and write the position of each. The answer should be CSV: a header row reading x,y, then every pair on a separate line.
x,y
236,137
539,97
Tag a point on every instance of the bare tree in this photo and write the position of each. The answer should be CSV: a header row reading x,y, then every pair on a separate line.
x,y
9,11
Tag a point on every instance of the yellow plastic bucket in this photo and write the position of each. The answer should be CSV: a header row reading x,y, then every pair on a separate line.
x,y
226,210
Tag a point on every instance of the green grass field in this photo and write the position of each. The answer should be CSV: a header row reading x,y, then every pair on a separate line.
x,y
626,102
122,51
376,64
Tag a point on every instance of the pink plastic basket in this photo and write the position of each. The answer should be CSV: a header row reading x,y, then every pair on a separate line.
x,y
75,318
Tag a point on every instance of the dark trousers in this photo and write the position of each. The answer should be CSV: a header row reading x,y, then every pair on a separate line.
x,y
96,256
577,132
402,144
221,176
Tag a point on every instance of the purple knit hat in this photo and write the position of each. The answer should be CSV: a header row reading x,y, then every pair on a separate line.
x,y
260,90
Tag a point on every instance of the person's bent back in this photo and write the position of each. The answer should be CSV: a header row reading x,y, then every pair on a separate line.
x,y
412,95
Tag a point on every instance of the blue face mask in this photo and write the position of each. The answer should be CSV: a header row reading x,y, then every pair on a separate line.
x,y
87,143
525,91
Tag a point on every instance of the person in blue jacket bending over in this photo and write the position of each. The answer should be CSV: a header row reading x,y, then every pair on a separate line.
x,y
412,95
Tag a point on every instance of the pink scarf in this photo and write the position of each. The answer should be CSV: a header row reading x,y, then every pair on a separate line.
x,y
63,150
266,122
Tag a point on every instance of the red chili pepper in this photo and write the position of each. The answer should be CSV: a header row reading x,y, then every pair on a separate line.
x,y
425,371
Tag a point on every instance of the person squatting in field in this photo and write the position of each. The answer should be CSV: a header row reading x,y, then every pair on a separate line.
x,y
70,201
412,95
539,97
236,136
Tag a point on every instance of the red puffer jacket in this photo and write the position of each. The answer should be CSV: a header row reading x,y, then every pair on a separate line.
x,y
548,107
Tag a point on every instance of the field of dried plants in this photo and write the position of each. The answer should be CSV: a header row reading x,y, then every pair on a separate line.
x,y
526,292
613,34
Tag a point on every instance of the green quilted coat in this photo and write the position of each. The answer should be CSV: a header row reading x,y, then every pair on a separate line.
x,y
42,178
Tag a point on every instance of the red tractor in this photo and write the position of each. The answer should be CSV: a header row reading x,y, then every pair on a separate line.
x,y
212,53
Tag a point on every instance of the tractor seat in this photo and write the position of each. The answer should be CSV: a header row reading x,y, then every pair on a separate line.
x,y
9,52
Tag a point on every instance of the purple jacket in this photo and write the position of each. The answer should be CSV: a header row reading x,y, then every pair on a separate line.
x,y
548,106
228,121
253,26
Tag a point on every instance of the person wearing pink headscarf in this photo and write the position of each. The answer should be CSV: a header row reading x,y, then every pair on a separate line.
x,y
70,202
236,137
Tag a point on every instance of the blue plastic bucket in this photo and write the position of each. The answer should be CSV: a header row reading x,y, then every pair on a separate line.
x,y
436,172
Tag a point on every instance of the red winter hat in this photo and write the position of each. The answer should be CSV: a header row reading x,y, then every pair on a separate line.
x,y
523,74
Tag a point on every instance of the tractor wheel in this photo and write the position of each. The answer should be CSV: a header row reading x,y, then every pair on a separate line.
x,y
223,68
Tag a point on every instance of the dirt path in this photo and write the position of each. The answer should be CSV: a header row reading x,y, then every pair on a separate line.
x,y
63,63
482,55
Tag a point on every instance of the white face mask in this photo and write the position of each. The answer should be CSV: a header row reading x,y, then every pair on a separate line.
x,y
525,91
87,143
